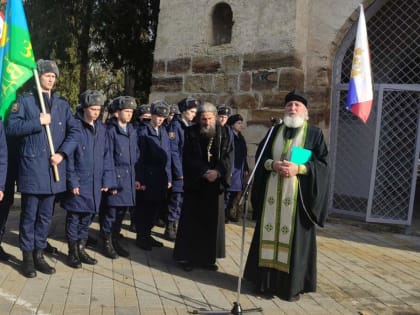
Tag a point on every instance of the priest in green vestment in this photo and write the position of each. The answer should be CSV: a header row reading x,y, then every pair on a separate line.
x,y
289,200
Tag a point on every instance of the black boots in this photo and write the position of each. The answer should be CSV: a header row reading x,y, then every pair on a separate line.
x,y
143,243
147,242
170,231
108,249
73,259
77,254
84,257
132,227
28,268
35,260
231,216
117,246
40,263
51,249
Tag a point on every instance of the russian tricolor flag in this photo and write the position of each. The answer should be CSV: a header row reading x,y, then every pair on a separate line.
x,y
360,94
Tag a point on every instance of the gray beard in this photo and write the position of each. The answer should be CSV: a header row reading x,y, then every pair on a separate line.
x,y
209,132
294,122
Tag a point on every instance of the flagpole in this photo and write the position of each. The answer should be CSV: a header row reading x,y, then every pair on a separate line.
x,y
47,127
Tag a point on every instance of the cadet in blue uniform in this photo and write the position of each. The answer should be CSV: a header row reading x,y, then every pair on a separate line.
x,y
188,109
122,142
173,111
36,180
239,170
89,173
3,174
142,115
153,174
223,113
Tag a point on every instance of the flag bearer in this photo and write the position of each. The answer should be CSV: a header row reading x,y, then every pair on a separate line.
x,y
36,179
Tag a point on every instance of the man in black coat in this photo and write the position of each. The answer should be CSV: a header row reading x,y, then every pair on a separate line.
x,y
207,171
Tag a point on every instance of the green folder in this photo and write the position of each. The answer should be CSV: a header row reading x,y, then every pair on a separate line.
x,y
300,155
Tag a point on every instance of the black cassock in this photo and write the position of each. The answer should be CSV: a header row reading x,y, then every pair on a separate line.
x,y
314,187
200,237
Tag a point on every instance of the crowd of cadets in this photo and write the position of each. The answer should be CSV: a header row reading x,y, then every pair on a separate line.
x,y
129,162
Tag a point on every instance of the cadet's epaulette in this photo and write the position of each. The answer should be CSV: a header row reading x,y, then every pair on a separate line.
x,y
27,94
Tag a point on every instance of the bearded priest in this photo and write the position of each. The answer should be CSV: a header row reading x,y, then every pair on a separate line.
x,y
289,200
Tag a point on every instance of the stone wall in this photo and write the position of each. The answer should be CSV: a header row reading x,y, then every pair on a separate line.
x,y
277,46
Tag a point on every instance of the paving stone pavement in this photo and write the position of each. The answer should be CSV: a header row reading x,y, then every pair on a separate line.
x,y
359,272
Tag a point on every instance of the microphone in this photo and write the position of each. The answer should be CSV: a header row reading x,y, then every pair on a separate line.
x,y
276,121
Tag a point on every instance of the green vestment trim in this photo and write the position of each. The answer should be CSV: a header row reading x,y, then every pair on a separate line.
x,y
279,208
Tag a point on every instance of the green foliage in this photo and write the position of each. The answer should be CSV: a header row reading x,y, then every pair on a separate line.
x,y
100,44
124,33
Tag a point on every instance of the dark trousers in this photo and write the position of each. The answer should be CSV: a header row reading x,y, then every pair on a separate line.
x,y
9,196
147,212
103,208
35,221
230,198
112,220
77,225
174,206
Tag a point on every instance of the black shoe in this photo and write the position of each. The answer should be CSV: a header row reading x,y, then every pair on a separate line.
x,y
51,249
170,231
28,268
118,248
294,298
154,242
91,242
3,255
40,263
187,266
212,267
266,295
144,244
108,249
233,219
132,228
73,259
83,255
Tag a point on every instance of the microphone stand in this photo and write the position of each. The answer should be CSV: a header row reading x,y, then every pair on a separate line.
x,y
237,309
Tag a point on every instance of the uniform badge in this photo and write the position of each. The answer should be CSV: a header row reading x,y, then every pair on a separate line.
x,y
171,135
15,108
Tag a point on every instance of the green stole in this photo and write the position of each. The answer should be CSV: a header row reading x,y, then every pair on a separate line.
x,y
279,208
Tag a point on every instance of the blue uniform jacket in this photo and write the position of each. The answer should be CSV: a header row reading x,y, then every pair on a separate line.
x,y
154,166
3,158
125,153
89,168
35,172
240,163
176,140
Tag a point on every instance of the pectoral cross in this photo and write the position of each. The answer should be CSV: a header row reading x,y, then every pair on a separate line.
x,y
209,155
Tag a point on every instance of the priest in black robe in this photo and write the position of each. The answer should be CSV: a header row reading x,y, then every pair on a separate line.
x,y
289,200
207,158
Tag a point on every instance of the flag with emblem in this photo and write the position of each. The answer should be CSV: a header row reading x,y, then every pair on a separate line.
x,y
17,57
360,94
